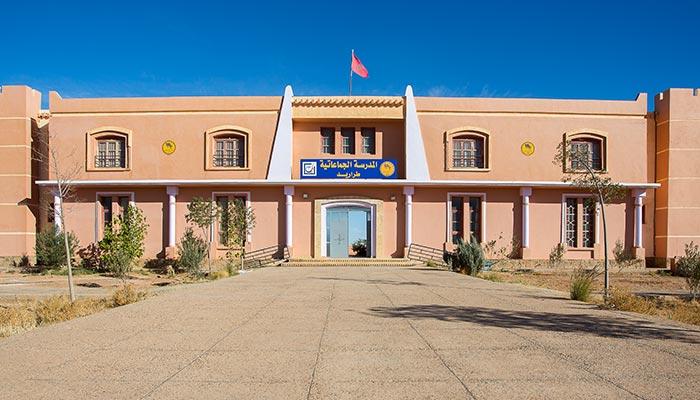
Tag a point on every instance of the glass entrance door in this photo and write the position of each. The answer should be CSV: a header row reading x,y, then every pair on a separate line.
x,y
348,232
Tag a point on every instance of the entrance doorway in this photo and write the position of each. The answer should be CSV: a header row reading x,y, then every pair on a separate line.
x,y
349,231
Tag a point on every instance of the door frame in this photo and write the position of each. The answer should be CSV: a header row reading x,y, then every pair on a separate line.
x,y
353,203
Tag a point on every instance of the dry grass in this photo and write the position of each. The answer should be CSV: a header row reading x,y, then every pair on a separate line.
x,y
29,314
490,276
220,274
675,309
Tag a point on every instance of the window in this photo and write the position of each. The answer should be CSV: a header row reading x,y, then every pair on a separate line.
x,y
112,205
227,148
223,201
579,232
368,140
328,140
467,148
465,211
108,148
586,151
348,140
228,152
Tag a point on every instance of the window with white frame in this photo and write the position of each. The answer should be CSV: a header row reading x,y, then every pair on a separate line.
x,y
347,136
467,152
223,201
465,218
586,151
368,140
228,152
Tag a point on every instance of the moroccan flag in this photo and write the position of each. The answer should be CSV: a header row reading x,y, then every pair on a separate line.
x,y
357,66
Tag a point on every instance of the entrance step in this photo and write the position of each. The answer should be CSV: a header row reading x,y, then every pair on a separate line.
x,y
350,262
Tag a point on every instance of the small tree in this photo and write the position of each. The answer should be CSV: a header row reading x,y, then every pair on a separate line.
x,y
123,242
203,213
585,177
238,221
688,266
50,247
192,250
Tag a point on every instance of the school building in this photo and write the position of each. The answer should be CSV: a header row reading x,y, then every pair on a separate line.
x,y
322,172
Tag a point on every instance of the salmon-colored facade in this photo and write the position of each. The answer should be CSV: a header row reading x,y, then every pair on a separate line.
x,y
444,169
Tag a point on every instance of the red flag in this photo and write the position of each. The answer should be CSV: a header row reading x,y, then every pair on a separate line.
x,y
357,66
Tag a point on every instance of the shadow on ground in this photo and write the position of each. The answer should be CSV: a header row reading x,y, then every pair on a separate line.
x,y
581,323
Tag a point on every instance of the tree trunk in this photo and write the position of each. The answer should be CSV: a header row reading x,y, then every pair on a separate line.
x,y
66,244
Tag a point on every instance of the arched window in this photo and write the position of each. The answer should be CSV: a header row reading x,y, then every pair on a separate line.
x,y
108,148
227,148
467,149
586,149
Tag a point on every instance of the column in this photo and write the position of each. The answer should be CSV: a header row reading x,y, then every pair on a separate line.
x,y
172,214
525,193
639,195
288,215
57,210
408,192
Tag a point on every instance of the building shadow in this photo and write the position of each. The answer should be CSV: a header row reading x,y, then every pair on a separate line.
x,y
605,326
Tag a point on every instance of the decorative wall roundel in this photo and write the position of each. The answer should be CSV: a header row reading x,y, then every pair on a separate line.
x,y
527,148
168,147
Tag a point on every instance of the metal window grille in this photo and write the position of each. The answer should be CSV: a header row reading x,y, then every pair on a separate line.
x,y
467,153
111,153
228,152
571,222
348,140
588,227
327,140
588,151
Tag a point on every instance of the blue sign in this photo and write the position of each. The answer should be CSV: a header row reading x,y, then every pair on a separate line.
x,y
339,168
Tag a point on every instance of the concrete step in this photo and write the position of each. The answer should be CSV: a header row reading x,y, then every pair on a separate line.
x,y
350,262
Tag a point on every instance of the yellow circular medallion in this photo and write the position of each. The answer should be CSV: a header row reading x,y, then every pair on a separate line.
x,y
168,147
527,148
387,168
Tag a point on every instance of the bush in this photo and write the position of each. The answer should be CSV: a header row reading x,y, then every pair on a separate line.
x,y
122,245
90,256
688,266
50,247
622,256
126,295
192,250
557,254
468,258
360,248
582,284
222,273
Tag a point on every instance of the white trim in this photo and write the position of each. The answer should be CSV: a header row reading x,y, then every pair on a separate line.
x,y
334,182
562,228
448,208
280,167
249,237
350,203
416,160
132,202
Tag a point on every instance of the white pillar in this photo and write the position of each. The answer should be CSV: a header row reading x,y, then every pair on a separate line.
x,y
408,192
639,195
526,192
57,210
288,216
172,207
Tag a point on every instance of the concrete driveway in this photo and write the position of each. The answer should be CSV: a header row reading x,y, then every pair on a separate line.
x,y
384,333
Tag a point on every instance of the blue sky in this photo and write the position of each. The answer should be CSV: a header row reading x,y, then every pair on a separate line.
x,y
558,49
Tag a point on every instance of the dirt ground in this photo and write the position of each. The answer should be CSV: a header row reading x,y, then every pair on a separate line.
x,y
641,282
17,285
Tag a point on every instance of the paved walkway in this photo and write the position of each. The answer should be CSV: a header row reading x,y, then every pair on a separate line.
x,y
384,333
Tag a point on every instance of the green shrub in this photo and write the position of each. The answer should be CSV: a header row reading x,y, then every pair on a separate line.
x,y
688,266
582,284
123,242
557,254
192,250
468,258
359,247
50,247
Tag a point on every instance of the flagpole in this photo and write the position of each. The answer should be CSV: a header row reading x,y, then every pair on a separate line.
x,y
352,57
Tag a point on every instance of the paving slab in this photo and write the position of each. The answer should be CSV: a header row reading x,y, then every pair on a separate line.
x,y
354,332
